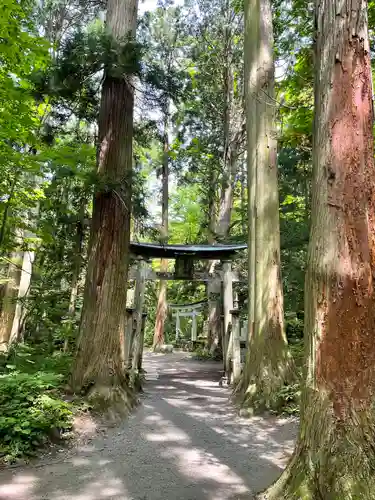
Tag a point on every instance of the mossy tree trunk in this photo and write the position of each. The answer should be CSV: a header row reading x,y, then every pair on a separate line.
x,y
268,364
335,454
98,366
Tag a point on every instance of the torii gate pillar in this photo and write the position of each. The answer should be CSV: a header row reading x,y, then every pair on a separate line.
x,y
194,327
177,326
227,308
139,326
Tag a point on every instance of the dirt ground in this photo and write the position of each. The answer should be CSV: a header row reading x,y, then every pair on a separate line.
x,y
184,442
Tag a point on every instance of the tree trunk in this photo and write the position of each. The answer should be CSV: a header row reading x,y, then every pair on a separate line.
x,y
220,223
9,298
16,334
226,194
80,234
13,311
213,288
98,364
268,364
243,198
6,210
161,311
214,313
334,457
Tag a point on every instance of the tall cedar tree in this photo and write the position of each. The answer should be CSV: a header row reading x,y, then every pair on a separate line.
x,y
98,364
267,365
161,310
334,457
165,32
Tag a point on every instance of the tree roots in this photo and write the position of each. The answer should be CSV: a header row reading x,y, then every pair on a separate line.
x,y
334,458
114,401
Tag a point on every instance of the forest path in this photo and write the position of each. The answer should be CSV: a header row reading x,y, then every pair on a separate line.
x,y
184,442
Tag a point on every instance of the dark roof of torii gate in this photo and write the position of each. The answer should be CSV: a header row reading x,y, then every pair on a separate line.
x,y
192,305
157,250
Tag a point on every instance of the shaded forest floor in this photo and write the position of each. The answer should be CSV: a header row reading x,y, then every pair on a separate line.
x,y
184,442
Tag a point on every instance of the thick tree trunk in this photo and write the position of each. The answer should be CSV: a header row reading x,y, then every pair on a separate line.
x,y
161,310
98,363
268,364
334,456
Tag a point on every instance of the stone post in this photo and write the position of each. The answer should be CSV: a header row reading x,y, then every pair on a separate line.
x,y
236,345
142,340
177,325
129,337
194,327
139,302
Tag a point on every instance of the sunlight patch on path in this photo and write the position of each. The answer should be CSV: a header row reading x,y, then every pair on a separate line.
x,y
193,462
184,442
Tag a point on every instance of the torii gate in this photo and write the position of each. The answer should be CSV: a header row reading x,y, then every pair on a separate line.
x,y
184,255
190,311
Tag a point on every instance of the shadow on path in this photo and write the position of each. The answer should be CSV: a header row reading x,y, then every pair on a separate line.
x,y
185,442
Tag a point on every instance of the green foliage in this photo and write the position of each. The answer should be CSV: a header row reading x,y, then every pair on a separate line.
x,y
22,52
203,354
296,348
286,400
186,215
31,358
294,329
33,412
51,66
74,78
289,395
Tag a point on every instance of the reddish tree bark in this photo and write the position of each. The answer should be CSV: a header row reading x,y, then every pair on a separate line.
x,y
98,364
335,456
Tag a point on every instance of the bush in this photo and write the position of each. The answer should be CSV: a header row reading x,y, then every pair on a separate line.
x,y
294,329
297,350
31,413
290,395
32,410
33,359
203,354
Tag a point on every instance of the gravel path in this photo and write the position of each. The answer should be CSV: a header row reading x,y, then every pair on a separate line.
x,y
184,442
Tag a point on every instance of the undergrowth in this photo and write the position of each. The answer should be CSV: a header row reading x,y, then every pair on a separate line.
x,y
286,401
289,395
33,411
204,354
